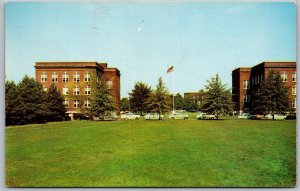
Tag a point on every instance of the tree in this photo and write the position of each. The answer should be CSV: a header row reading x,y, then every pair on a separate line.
x,y
178,102
271,96
12,101
189,104
159,100
56,109
32,107
101,103
125,104
218,97
138,97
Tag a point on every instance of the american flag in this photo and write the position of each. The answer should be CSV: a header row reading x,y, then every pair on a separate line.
x,y
171,69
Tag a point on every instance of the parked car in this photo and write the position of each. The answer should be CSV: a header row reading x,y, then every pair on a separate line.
x,y
130,116
291,116
178,116
276,116
111,117
246,116
201,115
153,116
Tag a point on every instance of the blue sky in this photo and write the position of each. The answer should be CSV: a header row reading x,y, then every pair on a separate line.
x,y
143,39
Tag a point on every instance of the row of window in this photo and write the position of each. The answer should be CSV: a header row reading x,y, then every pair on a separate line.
x,y
294,102
259,78
76,103
76,90
65,77
294,91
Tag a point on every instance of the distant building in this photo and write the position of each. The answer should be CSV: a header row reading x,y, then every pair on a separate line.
x,y
196,97
245,82
76,80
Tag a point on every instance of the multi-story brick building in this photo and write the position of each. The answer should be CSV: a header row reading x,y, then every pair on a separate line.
x,y
197,97
245,81
76,80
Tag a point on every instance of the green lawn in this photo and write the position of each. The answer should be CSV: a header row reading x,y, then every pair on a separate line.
x,y
169,153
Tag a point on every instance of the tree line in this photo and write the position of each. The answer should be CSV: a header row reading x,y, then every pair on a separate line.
x,y
271,97
141,99
27,102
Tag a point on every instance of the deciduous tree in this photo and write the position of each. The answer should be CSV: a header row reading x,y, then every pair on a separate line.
x,y
125,104
138,97
32,108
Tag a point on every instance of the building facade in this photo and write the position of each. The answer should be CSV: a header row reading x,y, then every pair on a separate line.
x,y
196,97
76,81
246,80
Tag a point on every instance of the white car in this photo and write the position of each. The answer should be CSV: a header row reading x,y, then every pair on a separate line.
x,y
130,116
246,116
276,116
178,116
153,116
205,116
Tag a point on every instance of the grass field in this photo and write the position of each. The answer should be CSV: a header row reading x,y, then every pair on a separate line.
x,y
169,153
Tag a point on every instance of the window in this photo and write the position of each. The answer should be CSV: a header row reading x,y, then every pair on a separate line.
x,y
294,90
65,90
261,78
54,77
76,90
109,84
65,77
76,103
294,77
87,103
66,102
294,103
284,76
44,77
246,98
87,77
76,77
87,90
246,84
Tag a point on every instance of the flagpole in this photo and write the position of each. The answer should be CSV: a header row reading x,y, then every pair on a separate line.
x,y
173,92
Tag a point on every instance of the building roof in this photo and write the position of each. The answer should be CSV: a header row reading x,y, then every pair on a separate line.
x,y
242,69
102,66
277,64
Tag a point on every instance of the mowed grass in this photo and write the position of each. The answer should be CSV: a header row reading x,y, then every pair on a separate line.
x,y
169,153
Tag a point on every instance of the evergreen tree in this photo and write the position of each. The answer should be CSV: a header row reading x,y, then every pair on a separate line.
x,y
12,102
218,98
32,108
159,100
272,96
101,103
178,102
125,104
56,110
138,97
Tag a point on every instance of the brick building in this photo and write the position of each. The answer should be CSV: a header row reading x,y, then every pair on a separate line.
x,y
196,97
76,80
245,81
